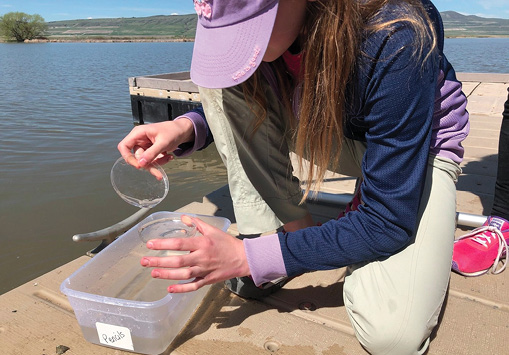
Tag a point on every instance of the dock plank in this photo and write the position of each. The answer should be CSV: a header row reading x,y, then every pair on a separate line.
x,y
36,318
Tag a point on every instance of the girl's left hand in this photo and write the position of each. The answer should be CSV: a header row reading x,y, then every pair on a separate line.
x,y
214,256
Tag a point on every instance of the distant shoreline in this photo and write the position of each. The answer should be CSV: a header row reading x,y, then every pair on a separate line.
x,y
103,40
479,36
162,39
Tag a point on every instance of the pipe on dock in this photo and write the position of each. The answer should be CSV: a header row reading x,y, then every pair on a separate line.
x,y
470,220
110,233
329,199
462,219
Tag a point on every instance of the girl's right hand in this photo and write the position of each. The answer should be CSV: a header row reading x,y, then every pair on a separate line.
x,y
155,142
214,256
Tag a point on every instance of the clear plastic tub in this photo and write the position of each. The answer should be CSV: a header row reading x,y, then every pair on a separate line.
x,y
118,304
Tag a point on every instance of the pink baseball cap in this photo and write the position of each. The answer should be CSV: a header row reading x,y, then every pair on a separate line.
x,y
231,40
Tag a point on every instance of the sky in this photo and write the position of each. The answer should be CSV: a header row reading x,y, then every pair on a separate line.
x,y
55,10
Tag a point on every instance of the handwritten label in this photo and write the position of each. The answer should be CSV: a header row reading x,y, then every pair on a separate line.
x,y
114,335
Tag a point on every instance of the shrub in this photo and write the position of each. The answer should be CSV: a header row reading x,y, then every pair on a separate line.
x,y
21,26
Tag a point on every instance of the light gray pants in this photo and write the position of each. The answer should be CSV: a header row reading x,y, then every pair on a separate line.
x,y
393,303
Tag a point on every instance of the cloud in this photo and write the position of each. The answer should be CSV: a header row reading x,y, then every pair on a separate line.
x,y
143,9
6,5
485,15
492,4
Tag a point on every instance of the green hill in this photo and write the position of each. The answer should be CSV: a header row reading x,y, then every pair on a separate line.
x,y
169,27
458,25
183,27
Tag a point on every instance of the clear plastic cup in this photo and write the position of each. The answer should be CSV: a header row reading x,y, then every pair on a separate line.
x,y
144,188
171,227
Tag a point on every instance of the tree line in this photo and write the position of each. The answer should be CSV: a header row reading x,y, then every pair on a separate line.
x,y
19,26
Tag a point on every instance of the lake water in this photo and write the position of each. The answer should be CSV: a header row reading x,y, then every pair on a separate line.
x,y
63,109
478,55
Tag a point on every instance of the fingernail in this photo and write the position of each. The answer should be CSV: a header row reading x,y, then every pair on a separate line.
x,y
156,273
170,289
143,161
150,245
145,262
187,220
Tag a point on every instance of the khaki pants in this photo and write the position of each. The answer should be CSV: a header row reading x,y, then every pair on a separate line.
x,y
393,303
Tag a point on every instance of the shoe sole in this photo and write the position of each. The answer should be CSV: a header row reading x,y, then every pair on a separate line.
x,y
454,268
472,274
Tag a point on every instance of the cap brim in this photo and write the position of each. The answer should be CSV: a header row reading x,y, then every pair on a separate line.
x,y
227,56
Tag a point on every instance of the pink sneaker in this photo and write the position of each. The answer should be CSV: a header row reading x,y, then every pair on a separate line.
x,y
478,251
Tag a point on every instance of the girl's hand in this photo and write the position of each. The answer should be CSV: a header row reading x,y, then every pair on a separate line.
x,y
153,143
213,256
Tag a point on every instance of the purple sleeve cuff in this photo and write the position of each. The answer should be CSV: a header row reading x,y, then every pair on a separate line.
x,y
264,258
200,134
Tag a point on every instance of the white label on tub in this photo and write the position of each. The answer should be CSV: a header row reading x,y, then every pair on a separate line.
x,y
114,335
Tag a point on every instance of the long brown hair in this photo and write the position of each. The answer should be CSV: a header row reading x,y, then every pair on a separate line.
x,y
333,34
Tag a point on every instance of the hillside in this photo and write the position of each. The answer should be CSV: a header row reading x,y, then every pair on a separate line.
x,y
458,25
169,27
183,27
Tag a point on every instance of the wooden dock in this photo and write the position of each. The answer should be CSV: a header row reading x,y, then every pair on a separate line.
x,y
308,315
